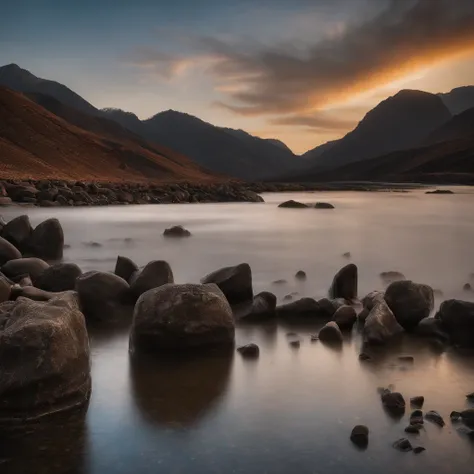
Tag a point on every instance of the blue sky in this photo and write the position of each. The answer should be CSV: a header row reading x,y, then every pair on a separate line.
x,y
304,71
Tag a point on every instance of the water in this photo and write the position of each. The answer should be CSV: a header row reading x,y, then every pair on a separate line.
x,y
291,410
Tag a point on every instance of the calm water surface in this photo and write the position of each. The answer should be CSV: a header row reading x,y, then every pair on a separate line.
x,y
292,410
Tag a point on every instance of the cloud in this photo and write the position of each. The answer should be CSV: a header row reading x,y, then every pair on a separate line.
x,y
318,121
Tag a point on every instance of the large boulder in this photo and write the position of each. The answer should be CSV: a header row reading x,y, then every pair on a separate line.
x,y
8,251
344,284
345,317
431,327
457,319
410,302
331,333
152,275
291,204
381,325
44,357
47,240
261,308
102,295
303,308
181,317
32,266
235,282
18,231
59,277
30,292
125,268
368,303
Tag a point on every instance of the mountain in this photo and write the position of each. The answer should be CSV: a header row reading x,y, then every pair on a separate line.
x,y
278,143
319,150
35,143
459,99
21,80
126,119
397,123
460,126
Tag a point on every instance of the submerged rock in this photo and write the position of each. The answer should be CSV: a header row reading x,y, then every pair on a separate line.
x,y
393,402
419,449
403,444
293,204
177,231
249,350
300,275
431,327
181,317
344,284
360,435
381,325
32,266
44,363
391,276
435,417
153,275
18,232
416,418
262,307
295,344
303,308
323,205
331,333
125,268
417,401
457,319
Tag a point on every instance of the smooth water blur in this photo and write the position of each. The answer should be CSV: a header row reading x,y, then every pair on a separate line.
x,y
291,410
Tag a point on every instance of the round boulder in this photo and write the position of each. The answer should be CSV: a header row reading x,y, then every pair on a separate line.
x,y
393,402
32,266
293,205
457,319
249,350
177,231
323,205
59,277
344,284
261,308
8,251
45,352
410,302
303,308
360,436
47,240
18,231
125,268
181,317
345,317
152,275
330,333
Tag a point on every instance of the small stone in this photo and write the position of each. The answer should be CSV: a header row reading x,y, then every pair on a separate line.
x,y
417,401
407,358
393,401
364,356
435,417
470,396
455,416
360,436
419,449
300,275
323,205
295,344
287,297
416,418
403,444
467,287
177,231
412,429
346,255
314,337
92,244
279,282
249,350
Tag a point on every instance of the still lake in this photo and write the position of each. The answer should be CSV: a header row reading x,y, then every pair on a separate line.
x,y
292,410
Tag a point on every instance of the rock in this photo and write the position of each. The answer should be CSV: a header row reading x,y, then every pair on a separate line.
x,y
25,266
381,325
45,363
293,204
465,431
410,302
181,317
300,275
440,191
412,429
279,282
323,205
59,277
5,201
416,418
249,350
346,255
431,327
362,316
92,244
47,240
5,290
295,344
360,435
455,416
152,275
391,276
364,356
329,307
262,307
314,337
177,231
467,287
22,193
235,282
345,317
8,251
18,232
393,402
419,449
373,298
331,333
25,280
344,284
435,417
101,295
125,268
417,401
403,444
468,415
303,308
407,358
31,293
288,298
470,396
457,319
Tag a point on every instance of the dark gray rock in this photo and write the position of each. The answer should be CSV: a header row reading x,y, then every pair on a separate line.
x,y
403,444
467,287
417,401
293,204
455,416
391,276
410,302
303,308
182,317
468,416
18,232
381,325
323,205
8,251
406,358
360,435
295,344
435,417
431,327
416,418
412,429
152,275
235,282
331,333
393,402
457,319
470,396
47,240
125,268
419,449
249,350
31,293
344,284
345,317
300,275
261,308
59,277
177,231
364,356
32,266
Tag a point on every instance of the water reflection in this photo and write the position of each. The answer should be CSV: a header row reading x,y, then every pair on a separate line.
x,y
178,391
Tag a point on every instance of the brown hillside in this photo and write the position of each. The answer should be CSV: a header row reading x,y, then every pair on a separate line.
x,y
36,144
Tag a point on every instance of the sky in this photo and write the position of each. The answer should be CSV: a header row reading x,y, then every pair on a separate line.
x,y
302,71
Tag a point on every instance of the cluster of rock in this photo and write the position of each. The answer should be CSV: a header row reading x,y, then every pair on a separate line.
x,y
51,193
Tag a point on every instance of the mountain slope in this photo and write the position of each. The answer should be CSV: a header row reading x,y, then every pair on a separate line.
x,y
460,126
397,123
34,143
459,99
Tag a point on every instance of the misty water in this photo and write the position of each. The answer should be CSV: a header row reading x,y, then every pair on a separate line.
x,y
291,410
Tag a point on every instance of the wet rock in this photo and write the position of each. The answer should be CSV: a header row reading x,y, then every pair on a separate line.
x,y
5,201
314,337
92,244
417,401
25,280
295,344
468,416
467,287
381,325
470,396
373,298
455,416
8,251
440,191
293,204
249,350
180,317
235,282
47,240
261,308
31,293
125,268
101,294
331,333
457,319
25,266
393,402
413,429
22,193
407,358
329,307
303,308
279,282
346,255
45,352
403,444
59,277
364,356
410,302
345,317
416,418
344,284
419,449
435,417
177,231
360,436
323,205
431,327
362,316
152,275
300,275
18,232
391,276
288,298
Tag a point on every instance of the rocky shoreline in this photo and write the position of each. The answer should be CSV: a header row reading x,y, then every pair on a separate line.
x,y
56,193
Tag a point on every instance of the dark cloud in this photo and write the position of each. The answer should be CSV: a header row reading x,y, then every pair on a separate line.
x,y
318,122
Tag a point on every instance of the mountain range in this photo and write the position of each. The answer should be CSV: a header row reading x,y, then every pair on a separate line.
x,y
180,146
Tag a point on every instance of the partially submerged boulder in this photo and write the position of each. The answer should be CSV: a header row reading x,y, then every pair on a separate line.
x,y
431,327
32,266
250,351
125,268
177,231
457,319
331,333
31,293
8,251
303,308
410,302
344,284
380,325
293,204
47,240
235,282
152,275
323,205
44,357
18,232
345,317
391,276
261,308
393,402
181,317
59,277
